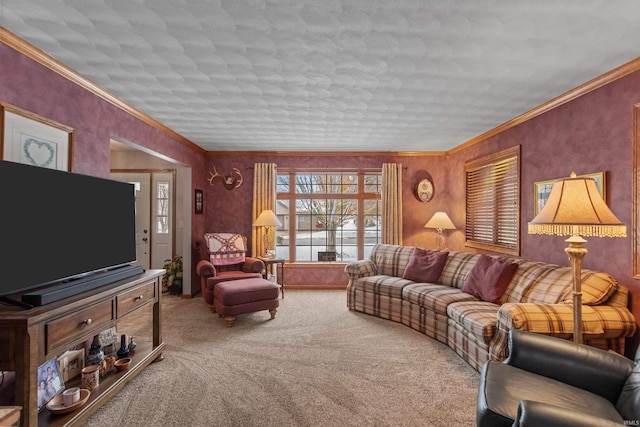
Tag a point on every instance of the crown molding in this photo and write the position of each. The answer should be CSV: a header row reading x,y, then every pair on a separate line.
x,y
598,82
20,45
13,41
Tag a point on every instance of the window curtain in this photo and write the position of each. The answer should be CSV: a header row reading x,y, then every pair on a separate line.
x,y
264,197
392,203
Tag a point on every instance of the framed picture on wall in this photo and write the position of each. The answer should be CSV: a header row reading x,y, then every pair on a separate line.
x,y
542,189
30,139
199,201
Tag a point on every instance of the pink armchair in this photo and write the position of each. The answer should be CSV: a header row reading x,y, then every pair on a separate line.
x,y
223,258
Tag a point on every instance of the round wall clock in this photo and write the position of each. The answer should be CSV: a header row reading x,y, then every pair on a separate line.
x,y
424,190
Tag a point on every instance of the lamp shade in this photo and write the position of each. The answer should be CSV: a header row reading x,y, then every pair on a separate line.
x,y
575,207
267,219
440,220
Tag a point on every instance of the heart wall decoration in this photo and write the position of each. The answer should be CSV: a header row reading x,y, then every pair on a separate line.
x,y
39,152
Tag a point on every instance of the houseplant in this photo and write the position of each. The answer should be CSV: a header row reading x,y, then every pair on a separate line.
x,y
172,279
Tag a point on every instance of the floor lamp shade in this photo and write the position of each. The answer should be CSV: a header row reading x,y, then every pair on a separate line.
x,y
575,208
267,219
440,221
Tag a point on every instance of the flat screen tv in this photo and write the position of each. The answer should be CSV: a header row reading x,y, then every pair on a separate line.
x,y
59,229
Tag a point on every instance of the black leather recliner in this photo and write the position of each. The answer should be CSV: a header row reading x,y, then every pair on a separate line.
x,y
550,382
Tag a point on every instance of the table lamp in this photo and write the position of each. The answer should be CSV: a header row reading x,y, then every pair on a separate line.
x,y
575,208
267,219
440,221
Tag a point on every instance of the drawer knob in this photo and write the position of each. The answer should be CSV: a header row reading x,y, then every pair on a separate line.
x,y
138,298
86,322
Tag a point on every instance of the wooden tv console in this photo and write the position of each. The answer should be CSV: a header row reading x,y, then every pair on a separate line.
x,y
29,337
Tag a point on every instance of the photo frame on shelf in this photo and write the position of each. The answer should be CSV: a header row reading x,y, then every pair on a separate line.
x,y
50,382
542,189
199,201
108,340
34,140
71,363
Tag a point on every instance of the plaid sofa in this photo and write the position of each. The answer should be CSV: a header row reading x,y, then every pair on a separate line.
x,y
538,299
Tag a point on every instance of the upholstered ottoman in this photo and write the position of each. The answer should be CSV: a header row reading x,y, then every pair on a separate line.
x,y
245,296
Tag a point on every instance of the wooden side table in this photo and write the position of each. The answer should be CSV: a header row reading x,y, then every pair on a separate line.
x,y
268,262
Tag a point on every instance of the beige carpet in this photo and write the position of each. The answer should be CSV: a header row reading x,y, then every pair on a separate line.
x,y
315,364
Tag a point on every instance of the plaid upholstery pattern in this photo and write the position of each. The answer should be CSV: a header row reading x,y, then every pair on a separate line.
x,y
478,318
538,299
596,288
433,325
472,351
362,268
434,298
382,306
620,298
539,283
457,268
391,260
548,319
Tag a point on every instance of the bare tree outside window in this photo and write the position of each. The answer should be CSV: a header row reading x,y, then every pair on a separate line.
x,y
335,213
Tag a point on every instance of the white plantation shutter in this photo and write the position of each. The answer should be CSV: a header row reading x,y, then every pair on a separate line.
x,y
493,202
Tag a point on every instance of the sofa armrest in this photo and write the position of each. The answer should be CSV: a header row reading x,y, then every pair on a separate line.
x,y
549,319
597,371
253,265
360,268
205,269
537,414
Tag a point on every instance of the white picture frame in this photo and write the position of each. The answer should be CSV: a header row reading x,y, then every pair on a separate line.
x,y
30,139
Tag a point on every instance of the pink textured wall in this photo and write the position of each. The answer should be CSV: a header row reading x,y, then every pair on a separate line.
x,y
33,87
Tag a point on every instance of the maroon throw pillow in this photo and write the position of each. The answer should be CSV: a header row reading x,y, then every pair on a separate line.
x,y
489,278
425,266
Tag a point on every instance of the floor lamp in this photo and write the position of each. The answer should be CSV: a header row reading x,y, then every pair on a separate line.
x,y
267,219
440,221
575,208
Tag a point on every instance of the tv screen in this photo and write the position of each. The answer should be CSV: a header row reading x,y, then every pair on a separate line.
x,y
56,226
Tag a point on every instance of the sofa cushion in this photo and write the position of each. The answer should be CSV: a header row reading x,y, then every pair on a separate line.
x,y
489,278
596,288
537,282
478,318
457,268
385,286
425,266
391,260
434,297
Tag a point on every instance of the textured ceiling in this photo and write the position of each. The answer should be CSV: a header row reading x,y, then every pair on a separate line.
x,y
337,75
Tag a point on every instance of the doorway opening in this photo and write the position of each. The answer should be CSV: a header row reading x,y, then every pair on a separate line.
x,y
163,205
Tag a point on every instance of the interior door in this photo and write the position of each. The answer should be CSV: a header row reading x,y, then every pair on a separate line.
x,y
142,184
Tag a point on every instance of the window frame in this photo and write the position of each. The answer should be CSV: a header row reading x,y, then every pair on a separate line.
x,y
492,202
360,196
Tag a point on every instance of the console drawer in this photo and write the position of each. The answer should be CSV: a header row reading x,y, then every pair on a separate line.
x,y
72,326
130,300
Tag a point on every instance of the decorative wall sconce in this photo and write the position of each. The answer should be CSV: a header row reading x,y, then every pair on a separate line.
x,y
231,181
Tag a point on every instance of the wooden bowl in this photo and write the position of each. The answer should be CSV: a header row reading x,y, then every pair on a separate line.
x,y
55,405
122,364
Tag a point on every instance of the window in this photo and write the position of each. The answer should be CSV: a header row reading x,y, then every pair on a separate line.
x,y
493,202
162,207
327,215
